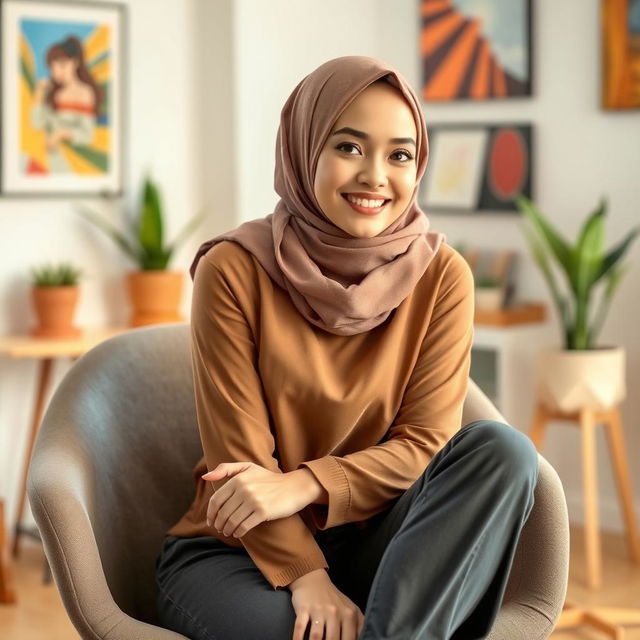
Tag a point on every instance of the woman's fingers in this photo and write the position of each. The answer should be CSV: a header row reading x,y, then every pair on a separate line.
x,y
300,626
237,520
253,520
317,631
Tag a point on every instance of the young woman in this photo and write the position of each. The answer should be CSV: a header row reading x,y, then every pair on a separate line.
x,y
338,496
66,105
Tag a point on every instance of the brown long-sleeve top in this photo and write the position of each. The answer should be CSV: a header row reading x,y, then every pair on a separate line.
x,y
364,413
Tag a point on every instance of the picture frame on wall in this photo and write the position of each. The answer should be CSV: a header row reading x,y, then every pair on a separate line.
x,y
620,54
476,49
477,168
62,90
499,266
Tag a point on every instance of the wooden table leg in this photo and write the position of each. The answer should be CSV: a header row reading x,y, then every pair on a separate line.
x,y
7,590
41,394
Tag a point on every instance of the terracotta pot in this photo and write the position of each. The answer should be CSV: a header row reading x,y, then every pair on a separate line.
x,y
155,296
55,308
569,380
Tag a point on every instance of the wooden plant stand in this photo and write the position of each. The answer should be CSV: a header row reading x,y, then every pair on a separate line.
x,y
606,619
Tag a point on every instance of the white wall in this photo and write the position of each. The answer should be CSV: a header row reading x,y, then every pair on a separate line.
x,y
208,81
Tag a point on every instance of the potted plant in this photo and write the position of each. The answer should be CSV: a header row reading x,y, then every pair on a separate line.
x,y
579,374
154,290
489,293
54,294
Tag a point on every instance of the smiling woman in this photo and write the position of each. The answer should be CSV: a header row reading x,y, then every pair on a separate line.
x,y
331,345
364,181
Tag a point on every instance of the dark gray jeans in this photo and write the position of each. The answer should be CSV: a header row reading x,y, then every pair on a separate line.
x,y
433,566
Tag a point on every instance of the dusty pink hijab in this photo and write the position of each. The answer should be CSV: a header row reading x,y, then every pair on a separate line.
x,y
340,283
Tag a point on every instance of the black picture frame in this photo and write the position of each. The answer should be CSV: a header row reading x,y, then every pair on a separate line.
x,y
517,138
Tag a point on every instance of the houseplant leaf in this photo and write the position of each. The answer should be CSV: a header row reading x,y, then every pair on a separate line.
x,y
150,230
120,239
554,240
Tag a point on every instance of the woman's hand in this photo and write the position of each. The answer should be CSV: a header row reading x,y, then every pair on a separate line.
x,y
315,597
254,495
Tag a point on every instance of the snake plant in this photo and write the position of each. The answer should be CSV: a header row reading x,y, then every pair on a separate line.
x,y
584,265
146,247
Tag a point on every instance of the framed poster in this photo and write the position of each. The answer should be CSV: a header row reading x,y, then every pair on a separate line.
x,y
477,168
62,86
620,54
475,49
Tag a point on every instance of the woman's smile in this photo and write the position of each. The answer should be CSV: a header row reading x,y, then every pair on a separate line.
x,y
369,207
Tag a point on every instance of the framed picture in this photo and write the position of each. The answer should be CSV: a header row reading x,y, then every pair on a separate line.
x,y
620,54
62,86
475,49
477,168
492,269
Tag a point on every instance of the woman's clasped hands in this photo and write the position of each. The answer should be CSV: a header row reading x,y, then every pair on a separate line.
x,y
253,495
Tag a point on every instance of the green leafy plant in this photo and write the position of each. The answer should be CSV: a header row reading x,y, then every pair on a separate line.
x,y
146,246
487,281
48,275
583,264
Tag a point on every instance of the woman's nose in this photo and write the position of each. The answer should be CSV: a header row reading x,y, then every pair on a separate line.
x,y
373,173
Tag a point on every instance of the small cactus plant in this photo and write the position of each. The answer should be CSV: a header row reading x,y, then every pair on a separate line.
x,y
48,275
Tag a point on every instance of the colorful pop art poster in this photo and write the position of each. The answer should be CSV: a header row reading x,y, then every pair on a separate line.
x,y
62,88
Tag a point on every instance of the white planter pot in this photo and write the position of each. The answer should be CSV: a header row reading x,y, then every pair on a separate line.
x,y
568,380
489,298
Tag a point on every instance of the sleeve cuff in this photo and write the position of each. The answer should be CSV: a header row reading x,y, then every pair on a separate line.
x,y
330,474
303,566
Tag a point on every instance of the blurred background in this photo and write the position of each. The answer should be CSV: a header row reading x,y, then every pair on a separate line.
x,y
134,131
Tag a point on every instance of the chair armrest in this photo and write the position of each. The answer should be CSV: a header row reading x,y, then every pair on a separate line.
x,y
59,492
539,576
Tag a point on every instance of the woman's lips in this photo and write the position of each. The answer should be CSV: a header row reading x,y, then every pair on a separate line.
x,y
369,211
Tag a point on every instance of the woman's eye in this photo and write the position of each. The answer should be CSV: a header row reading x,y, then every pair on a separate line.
x,y
409,157
346,144
406,153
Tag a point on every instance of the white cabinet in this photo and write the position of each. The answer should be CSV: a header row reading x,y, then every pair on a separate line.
x,y
503,366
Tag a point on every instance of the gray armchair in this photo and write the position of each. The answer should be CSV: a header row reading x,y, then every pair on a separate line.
x,y
120,434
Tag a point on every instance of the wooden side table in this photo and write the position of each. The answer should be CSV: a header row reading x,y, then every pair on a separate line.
x,y
606,619
45,350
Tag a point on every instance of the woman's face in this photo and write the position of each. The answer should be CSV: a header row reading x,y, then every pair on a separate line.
x,y
63,70
368,162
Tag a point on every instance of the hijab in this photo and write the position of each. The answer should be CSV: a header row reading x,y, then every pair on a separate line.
x,y
341,283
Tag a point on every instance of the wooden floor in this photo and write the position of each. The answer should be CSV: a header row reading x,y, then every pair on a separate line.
x,y
39,614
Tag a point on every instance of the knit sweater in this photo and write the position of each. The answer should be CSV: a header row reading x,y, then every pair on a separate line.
x,y
364,413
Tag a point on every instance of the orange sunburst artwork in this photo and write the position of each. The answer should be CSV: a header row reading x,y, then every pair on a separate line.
x,y
475,49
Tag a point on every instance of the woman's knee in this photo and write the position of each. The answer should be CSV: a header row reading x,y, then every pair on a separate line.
x,y
505,446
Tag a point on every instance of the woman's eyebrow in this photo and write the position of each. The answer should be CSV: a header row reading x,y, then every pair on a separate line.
x,y
365,136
